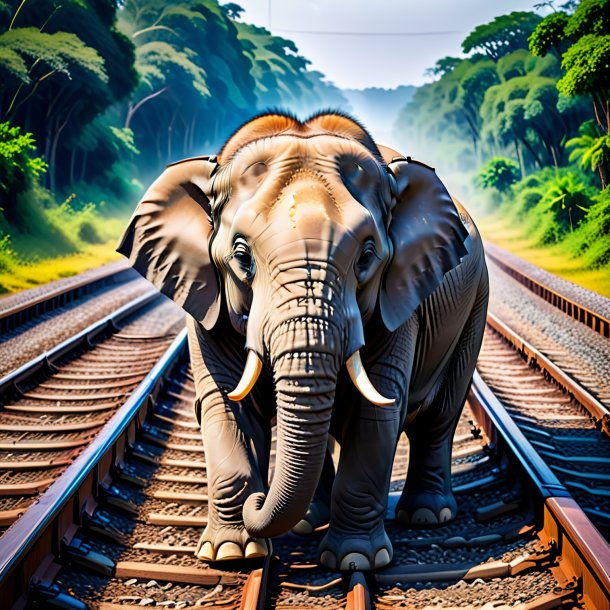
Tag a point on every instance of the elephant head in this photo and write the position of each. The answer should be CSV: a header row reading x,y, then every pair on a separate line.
x,y
304,232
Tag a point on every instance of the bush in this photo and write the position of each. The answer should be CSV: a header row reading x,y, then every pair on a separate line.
x,y
18,168
592,239
552,202
499,173
89,234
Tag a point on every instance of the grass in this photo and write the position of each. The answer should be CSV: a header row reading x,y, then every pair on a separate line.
x,y
24,275
47,241
513,237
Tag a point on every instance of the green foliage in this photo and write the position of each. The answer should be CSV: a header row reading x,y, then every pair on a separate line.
x,y
563,205
503,35
549,33
60,53
444,66
591,150
124,140
587,66
590,17
552,203
524,109
499,173
157,61
8,256
17,165
591,241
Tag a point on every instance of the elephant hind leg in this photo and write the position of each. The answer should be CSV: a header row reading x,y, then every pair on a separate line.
x,y
427,498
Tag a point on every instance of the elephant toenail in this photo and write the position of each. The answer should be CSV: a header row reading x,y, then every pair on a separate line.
x,y
206,552
403,516
229,550
329,560
355,561
424,515
445,515
382,558
303,528
256,548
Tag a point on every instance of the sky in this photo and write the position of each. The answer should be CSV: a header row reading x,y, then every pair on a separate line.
x,y
376,43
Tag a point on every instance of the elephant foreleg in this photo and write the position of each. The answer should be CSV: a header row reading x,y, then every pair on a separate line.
x,y
356,538
236,442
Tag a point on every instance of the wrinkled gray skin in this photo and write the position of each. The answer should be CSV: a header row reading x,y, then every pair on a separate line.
x,y
305,242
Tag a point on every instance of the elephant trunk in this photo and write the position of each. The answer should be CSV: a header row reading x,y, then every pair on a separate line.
x,y
305,380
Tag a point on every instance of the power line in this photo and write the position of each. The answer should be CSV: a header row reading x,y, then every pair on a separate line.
x,y
346,33
327,33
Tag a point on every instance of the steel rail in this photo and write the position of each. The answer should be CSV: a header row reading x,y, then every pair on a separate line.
x,y
45,515
585,552
83,339
594,320
535,358
20,313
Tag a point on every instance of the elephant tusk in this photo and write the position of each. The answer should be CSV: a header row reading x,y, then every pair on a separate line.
x,y
251,372
363,383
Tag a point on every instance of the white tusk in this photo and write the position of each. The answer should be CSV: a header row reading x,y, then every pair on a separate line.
x,y
251,372
363,383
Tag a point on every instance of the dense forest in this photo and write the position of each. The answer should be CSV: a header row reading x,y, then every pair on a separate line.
x,y
96,96
527,114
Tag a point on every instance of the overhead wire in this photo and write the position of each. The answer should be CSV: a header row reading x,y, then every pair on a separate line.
x,y
352,33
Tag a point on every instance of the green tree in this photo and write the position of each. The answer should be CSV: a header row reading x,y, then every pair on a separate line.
x,y
499,173
549,35
526,110
19,165
587,67
583,39
503,35
195,79
447,111
74,66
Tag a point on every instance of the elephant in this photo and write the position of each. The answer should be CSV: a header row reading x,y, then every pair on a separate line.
x,y
334,287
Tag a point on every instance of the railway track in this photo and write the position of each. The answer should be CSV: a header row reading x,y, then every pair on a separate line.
x,y
118,527
56,404
31,304
569,305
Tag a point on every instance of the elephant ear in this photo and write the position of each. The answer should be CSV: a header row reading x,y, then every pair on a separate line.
x,y
428,238
168,237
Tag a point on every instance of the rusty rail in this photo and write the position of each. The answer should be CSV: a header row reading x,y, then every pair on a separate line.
x,y
584,553
42,528
599,413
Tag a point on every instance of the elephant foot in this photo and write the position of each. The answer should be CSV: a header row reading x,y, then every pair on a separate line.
x,y
426,509
229,543
350,552
317,515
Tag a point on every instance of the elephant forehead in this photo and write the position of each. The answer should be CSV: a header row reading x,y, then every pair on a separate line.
x,y
306,198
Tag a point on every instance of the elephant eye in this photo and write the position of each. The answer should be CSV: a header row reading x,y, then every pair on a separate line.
x,y
350,170
242,255
256,169
355,177
366,261
254,175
